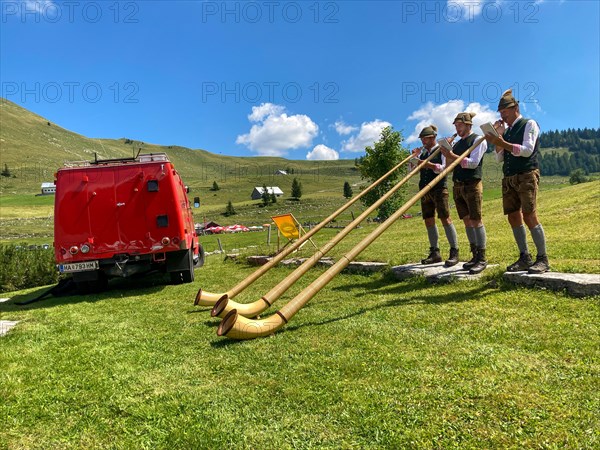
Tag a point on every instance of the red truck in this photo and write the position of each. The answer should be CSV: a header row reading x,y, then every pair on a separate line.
x,y
120,217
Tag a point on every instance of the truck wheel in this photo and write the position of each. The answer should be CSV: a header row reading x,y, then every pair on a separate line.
x,y
199,260
186,275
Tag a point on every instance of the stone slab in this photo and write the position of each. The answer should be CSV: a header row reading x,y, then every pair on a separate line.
x,y
258,260
2,300
366,267
576,284
6,325
292,262
437,272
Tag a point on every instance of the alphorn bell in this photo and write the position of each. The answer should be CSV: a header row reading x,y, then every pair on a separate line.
x,y
224,305
204,298
236,326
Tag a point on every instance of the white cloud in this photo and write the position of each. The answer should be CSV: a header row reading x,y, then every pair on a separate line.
x,y
322,153
443,115
370,132
343,129
265,110
42,7
464,9
275,132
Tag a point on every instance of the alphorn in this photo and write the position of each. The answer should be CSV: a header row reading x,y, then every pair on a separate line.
x,y
204,298
236,326
225,305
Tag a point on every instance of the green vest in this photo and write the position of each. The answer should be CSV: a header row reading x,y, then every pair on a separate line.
x,y
514,165
459,173
427,175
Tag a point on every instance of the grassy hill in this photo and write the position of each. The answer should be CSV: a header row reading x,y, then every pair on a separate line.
x,y
34,148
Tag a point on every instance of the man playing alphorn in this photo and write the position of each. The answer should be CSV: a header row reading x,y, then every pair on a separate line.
x,y
435,200
518,148
468,189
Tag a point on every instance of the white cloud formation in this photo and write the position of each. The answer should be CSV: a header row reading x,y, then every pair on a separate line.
x,y
443,115
322,153
343,129
464,9
42,7
369,133
265,110
275,132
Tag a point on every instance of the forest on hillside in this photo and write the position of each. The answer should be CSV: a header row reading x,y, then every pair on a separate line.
x,y
583,151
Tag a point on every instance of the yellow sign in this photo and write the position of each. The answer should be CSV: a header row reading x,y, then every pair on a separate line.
x,y
287,225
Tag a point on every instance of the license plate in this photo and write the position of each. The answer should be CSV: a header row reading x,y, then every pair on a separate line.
x,y
78,267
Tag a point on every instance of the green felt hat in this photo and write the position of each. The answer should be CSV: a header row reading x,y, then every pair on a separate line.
x,y
465,117
431,130
507,100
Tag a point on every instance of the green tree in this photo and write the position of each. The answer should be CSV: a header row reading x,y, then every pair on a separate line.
x,y
229,209
296,189
578,176
347,190
215,186
6,171
378,160
265,197
273,197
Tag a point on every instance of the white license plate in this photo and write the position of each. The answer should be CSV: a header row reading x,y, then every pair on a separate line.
x,y
79,266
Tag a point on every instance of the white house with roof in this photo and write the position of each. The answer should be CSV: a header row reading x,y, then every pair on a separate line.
x,y
48,188
258,192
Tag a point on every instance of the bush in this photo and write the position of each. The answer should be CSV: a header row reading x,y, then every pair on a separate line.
x,y
229,210
578,176
296,189
22,267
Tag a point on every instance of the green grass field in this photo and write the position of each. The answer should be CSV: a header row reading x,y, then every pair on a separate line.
x,y
370,362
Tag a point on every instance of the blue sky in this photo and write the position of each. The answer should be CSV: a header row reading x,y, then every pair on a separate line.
x,y
301,80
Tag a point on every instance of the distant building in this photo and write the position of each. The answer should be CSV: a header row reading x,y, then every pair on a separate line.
x,y
258,192
48,188
280,172
200,227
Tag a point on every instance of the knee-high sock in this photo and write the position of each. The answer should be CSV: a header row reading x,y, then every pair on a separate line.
x,y
471,235
432,233
451,235
539,239
480,236
521,238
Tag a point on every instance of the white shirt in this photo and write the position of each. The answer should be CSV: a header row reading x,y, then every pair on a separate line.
x,y
416,160
532,131
471,161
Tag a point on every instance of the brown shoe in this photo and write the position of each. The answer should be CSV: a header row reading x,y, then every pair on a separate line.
x,y
480,264
434,256
540,265
471,263
453,258
523,263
